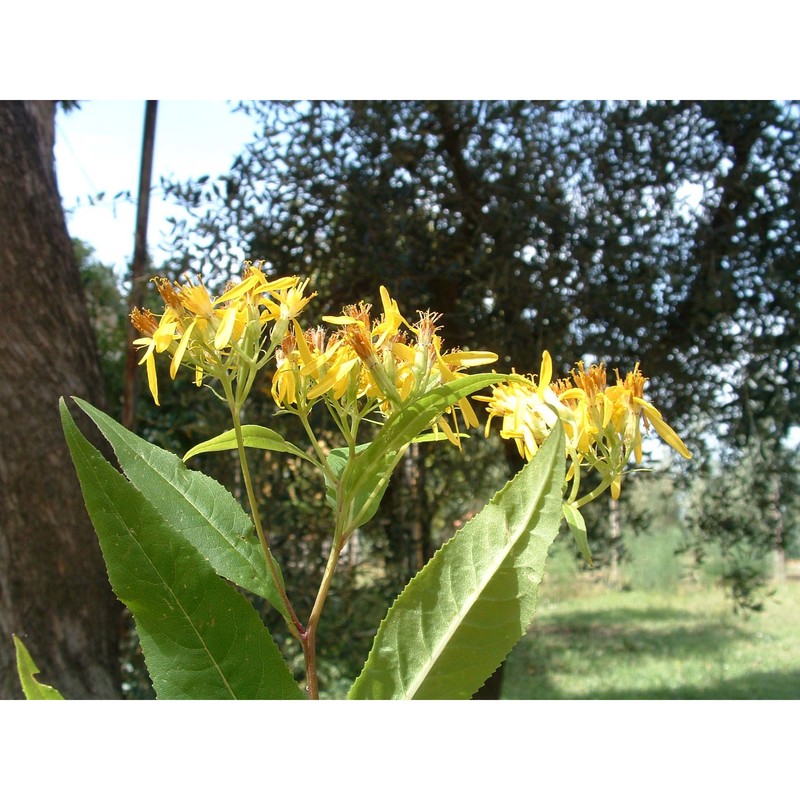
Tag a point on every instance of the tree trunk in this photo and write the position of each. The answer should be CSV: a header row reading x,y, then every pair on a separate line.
x,y
138,273
616,533
774,511
54,591
420,517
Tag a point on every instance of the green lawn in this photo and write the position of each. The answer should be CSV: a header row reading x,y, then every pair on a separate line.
x,y
640,645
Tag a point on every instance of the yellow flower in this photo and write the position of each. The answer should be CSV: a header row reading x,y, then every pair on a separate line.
x,y
285,378
601,422
311,366
584,393
289,300
372,343
528,409
397,369
195,299
329,363
221,337
606,411
159,335
628,397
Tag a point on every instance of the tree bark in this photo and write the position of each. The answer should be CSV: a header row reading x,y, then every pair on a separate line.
x,y
616,535
138,273
54,591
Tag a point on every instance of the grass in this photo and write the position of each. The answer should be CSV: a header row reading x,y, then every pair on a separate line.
x,y
607,644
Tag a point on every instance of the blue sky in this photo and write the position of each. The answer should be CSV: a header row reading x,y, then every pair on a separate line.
x,y
98,149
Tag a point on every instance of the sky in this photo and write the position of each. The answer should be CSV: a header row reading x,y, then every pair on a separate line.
x,y
98,149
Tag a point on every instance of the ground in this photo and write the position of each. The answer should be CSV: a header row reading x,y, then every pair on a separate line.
x,y
687,644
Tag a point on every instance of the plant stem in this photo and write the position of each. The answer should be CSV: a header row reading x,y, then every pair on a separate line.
x,y
309,639
587,498
322,460
296,629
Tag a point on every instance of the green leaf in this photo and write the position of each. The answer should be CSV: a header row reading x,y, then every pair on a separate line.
x,y
419,415
337,460
372,470
364,503
197,507
26,668
256,436
577,524
201,639
459,617
338,457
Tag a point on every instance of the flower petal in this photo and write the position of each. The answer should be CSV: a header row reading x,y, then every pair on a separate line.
x,y
545,373
152,381
225,331
176,359
469,358
667,434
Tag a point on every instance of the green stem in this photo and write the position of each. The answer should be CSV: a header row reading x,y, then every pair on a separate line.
x,y
336,416
296,629
593,494
309,636
309,639
302,412
576,477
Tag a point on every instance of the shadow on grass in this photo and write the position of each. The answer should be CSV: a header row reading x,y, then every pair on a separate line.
x,y
751,686
581,620
612,635
628,643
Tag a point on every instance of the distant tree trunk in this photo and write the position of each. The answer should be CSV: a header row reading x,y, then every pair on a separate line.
x,y
420,516
616,533
138,274
54,591
774,511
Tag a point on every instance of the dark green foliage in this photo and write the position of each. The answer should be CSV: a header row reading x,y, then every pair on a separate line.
x,y
532,225
108,316
746,507
200,637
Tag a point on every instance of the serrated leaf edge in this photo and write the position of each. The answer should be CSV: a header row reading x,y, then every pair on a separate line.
x,y
419,576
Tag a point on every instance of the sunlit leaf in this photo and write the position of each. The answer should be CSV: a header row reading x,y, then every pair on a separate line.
x,y
26,668
373,468
198,508
577,525
200,637
255,436
459,617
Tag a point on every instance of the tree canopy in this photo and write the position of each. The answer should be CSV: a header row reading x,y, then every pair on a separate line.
x,y
664,233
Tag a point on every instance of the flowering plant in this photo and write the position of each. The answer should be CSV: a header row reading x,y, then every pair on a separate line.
x,y
175,541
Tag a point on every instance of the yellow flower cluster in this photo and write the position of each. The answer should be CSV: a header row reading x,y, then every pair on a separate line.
x,y
603,424
222,337
385,360
364,364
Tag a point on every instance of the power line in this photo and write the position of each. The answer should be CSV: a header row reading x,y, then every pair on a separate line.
x,y
61,133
